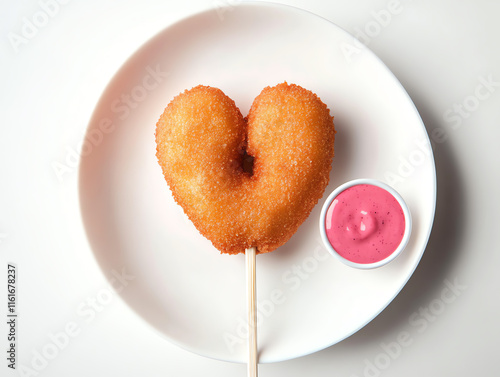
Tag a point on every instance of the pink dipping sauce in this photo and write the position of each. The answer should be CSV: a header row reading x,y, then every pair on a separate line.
x,y
365,224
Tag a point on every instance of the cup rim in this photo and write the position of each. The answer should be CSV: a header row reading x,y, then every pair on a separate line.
x,y
394,193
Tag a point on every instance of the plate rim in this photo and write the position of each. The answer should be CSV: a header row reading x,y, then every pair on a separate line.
x,y
297,10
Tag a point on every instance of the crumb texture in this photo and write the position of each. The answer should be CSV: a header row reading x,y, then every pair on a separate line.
x,y
203,143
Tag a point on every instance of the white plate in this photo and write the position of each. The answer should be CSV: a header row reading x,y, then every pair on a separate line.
x,y
183,287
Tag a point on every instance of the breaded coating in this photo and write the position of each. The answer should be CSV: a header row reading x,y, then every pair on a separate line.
x,y
204,144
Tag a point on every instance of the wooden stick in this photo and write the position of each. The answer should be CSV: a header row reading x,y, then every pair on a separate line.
x,y
252,313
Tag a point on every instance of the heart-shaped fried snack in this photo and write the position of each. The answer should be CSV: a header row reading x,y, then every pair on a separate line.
x,y
205,148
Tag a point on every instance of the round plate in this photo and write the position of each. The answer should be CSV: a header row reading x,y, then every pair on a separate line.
x,y
182,286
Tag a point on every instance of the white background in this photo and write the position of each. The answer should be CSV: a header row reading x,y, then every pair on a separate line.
x,y
441,51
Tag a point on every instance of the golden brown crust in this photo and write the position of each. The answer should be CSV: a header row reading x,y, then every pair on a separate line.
x,y
201,140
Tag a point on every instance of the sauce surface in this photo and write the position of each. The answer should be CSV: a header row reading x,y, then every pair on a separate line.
x,y
365,224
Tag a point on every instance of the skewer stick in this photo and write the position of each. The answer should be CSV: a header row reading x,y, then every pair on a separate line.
x,y
252,313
